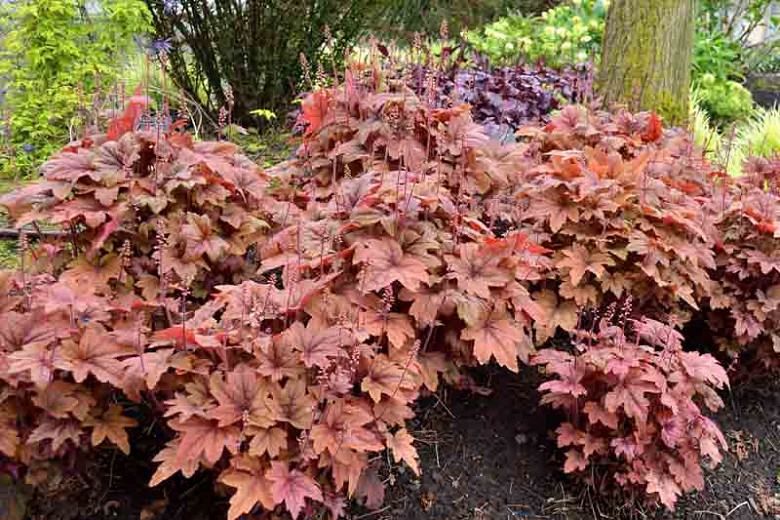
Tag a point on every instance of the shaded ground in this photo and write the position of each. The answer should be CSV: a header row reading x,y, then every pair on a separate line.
x,y
493,458
483,457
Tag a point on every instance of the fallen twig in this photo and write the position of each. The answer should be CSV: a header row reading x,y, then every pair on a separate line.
x,y
14,233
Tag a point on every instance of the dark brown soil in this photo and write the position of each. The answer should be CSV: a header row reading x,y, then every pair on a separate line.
x,y
483,457
493,458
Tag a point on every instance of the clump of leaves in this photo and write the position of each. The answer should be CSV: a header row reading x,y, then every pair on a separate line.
x,y
284,365
633,398
620,203
745,303
63,353
500,98
505,97
146,209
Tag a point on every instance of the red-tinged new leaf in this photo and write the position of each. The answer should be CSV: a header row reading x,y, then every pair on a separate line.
x,y
111,425
127,122
292,487
654,130
104,232
315,108
401,444
386,263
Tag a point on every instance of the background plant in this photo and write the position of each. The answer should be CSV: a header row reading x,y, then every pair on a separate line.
x,y
745,301
247,55
568,33
615,198
55,54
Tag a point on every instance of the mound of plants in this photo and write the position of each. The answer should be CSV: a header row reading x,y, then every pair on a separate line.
x,y
746,299
284,384
501,98
504,99
283,323
632,399
564,34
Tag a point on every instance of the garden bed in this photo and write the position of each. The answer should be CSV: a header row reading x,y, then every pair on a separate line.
x,y
484,457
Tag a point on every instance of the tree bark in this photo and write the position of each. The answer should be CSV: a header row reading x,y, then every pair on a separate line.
x,y
647,54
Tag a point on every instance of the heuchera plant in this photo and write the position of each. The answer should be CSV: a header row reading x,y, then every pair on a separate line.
x,y
505,97
620,203
745,302
633,398
379,271
121,195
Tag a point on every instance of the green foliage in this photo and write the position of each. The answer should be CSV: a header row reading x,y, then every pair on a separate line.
x,y
724,100
715,53
724,54
735,21
704,134
426,16
244,55
569,33
50,48
758,137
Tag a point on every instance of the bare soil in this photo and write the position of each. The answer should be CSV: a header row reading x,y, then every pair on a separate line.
x,y
483,457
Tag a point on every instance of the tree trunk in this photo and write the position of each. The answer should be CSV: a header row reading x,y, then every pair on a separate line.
x,y
646,63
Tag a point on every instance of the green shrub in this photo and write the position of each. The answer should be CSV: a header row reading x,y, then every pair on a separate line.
x,y
725,100
426,16
51,47
730,23
568,33
239,55
716,54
